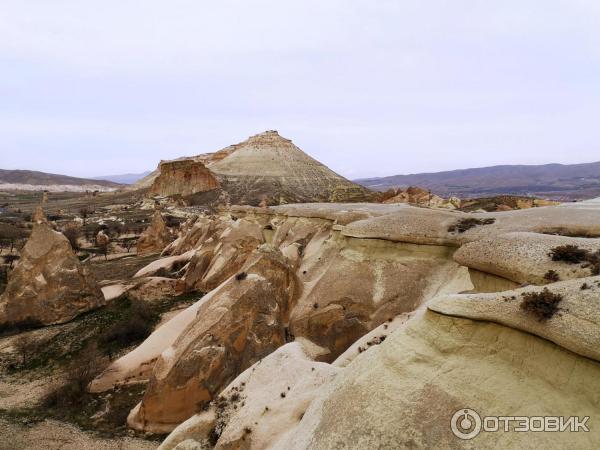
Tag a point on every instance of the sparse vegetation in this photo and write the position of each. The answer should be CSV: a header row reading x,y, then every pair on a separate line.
x,y
73,234
133,328
471,222
551,276
241,276
572,254
542,305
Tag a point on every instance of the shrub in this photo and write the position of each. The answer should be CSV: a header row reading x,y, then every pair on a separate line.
x,y
25,347
80,372
133,328
466,224
571,254
551,276
542,305
73,234
241,276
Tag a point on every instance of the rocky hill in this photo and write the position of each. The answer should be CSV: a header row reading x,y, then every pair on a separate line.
x,y
29,180
553,181
265,168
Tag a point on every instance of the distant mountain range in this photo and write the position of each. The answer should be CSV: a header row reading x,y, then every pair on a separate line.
x,y
31,180
553,181
127,178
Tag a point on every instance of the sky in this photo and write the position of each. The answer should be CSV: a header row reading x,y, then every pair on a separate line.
x,y
369,88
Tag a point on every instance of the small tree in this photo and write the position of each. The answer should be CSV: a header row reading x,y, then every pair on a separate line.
x,y
25,347
10,259
84,212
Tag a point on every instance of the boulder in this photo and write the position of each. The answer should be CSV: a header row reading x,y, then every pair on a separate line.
x,y
49,284
155,238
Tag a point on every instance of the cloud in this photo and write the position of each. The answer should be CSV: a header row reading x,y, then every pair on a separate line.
x,y
370,88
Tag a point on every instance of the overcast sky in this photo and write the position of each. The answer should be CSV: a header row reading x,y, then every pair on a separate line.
x,y
367,87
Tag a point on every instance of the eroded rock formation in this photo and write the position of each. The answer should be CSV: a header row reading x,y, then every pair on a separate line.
x,y
156,237
242,323
355,281
49,285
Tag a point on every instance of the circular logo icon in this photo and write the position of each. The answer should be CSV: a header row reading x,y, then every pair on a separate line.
x,y
466,424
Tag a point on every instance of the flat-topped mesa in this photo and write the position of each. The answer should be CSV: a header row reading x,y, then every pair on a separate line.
x,y
264,168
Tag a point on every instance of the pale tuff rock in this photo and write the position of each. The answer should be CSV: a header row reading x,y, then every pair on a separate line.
x,y
165,265
575,326
49,285
523,257
224,255
403,392
156,237
355,267
258,409
239,326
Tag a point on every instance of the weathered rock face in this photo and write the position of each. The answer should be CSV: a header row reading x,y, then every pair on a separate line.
x,y
223,256
254,401
524,257
183,178
357,267
156,237
242,323
49,285
404,392
265,168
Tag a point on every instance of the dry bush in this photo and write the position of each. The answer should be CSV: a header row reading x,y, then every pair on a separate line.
x,y
25,347
551,276
73,234
133,328
466,224
543,305
571,254
80,372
